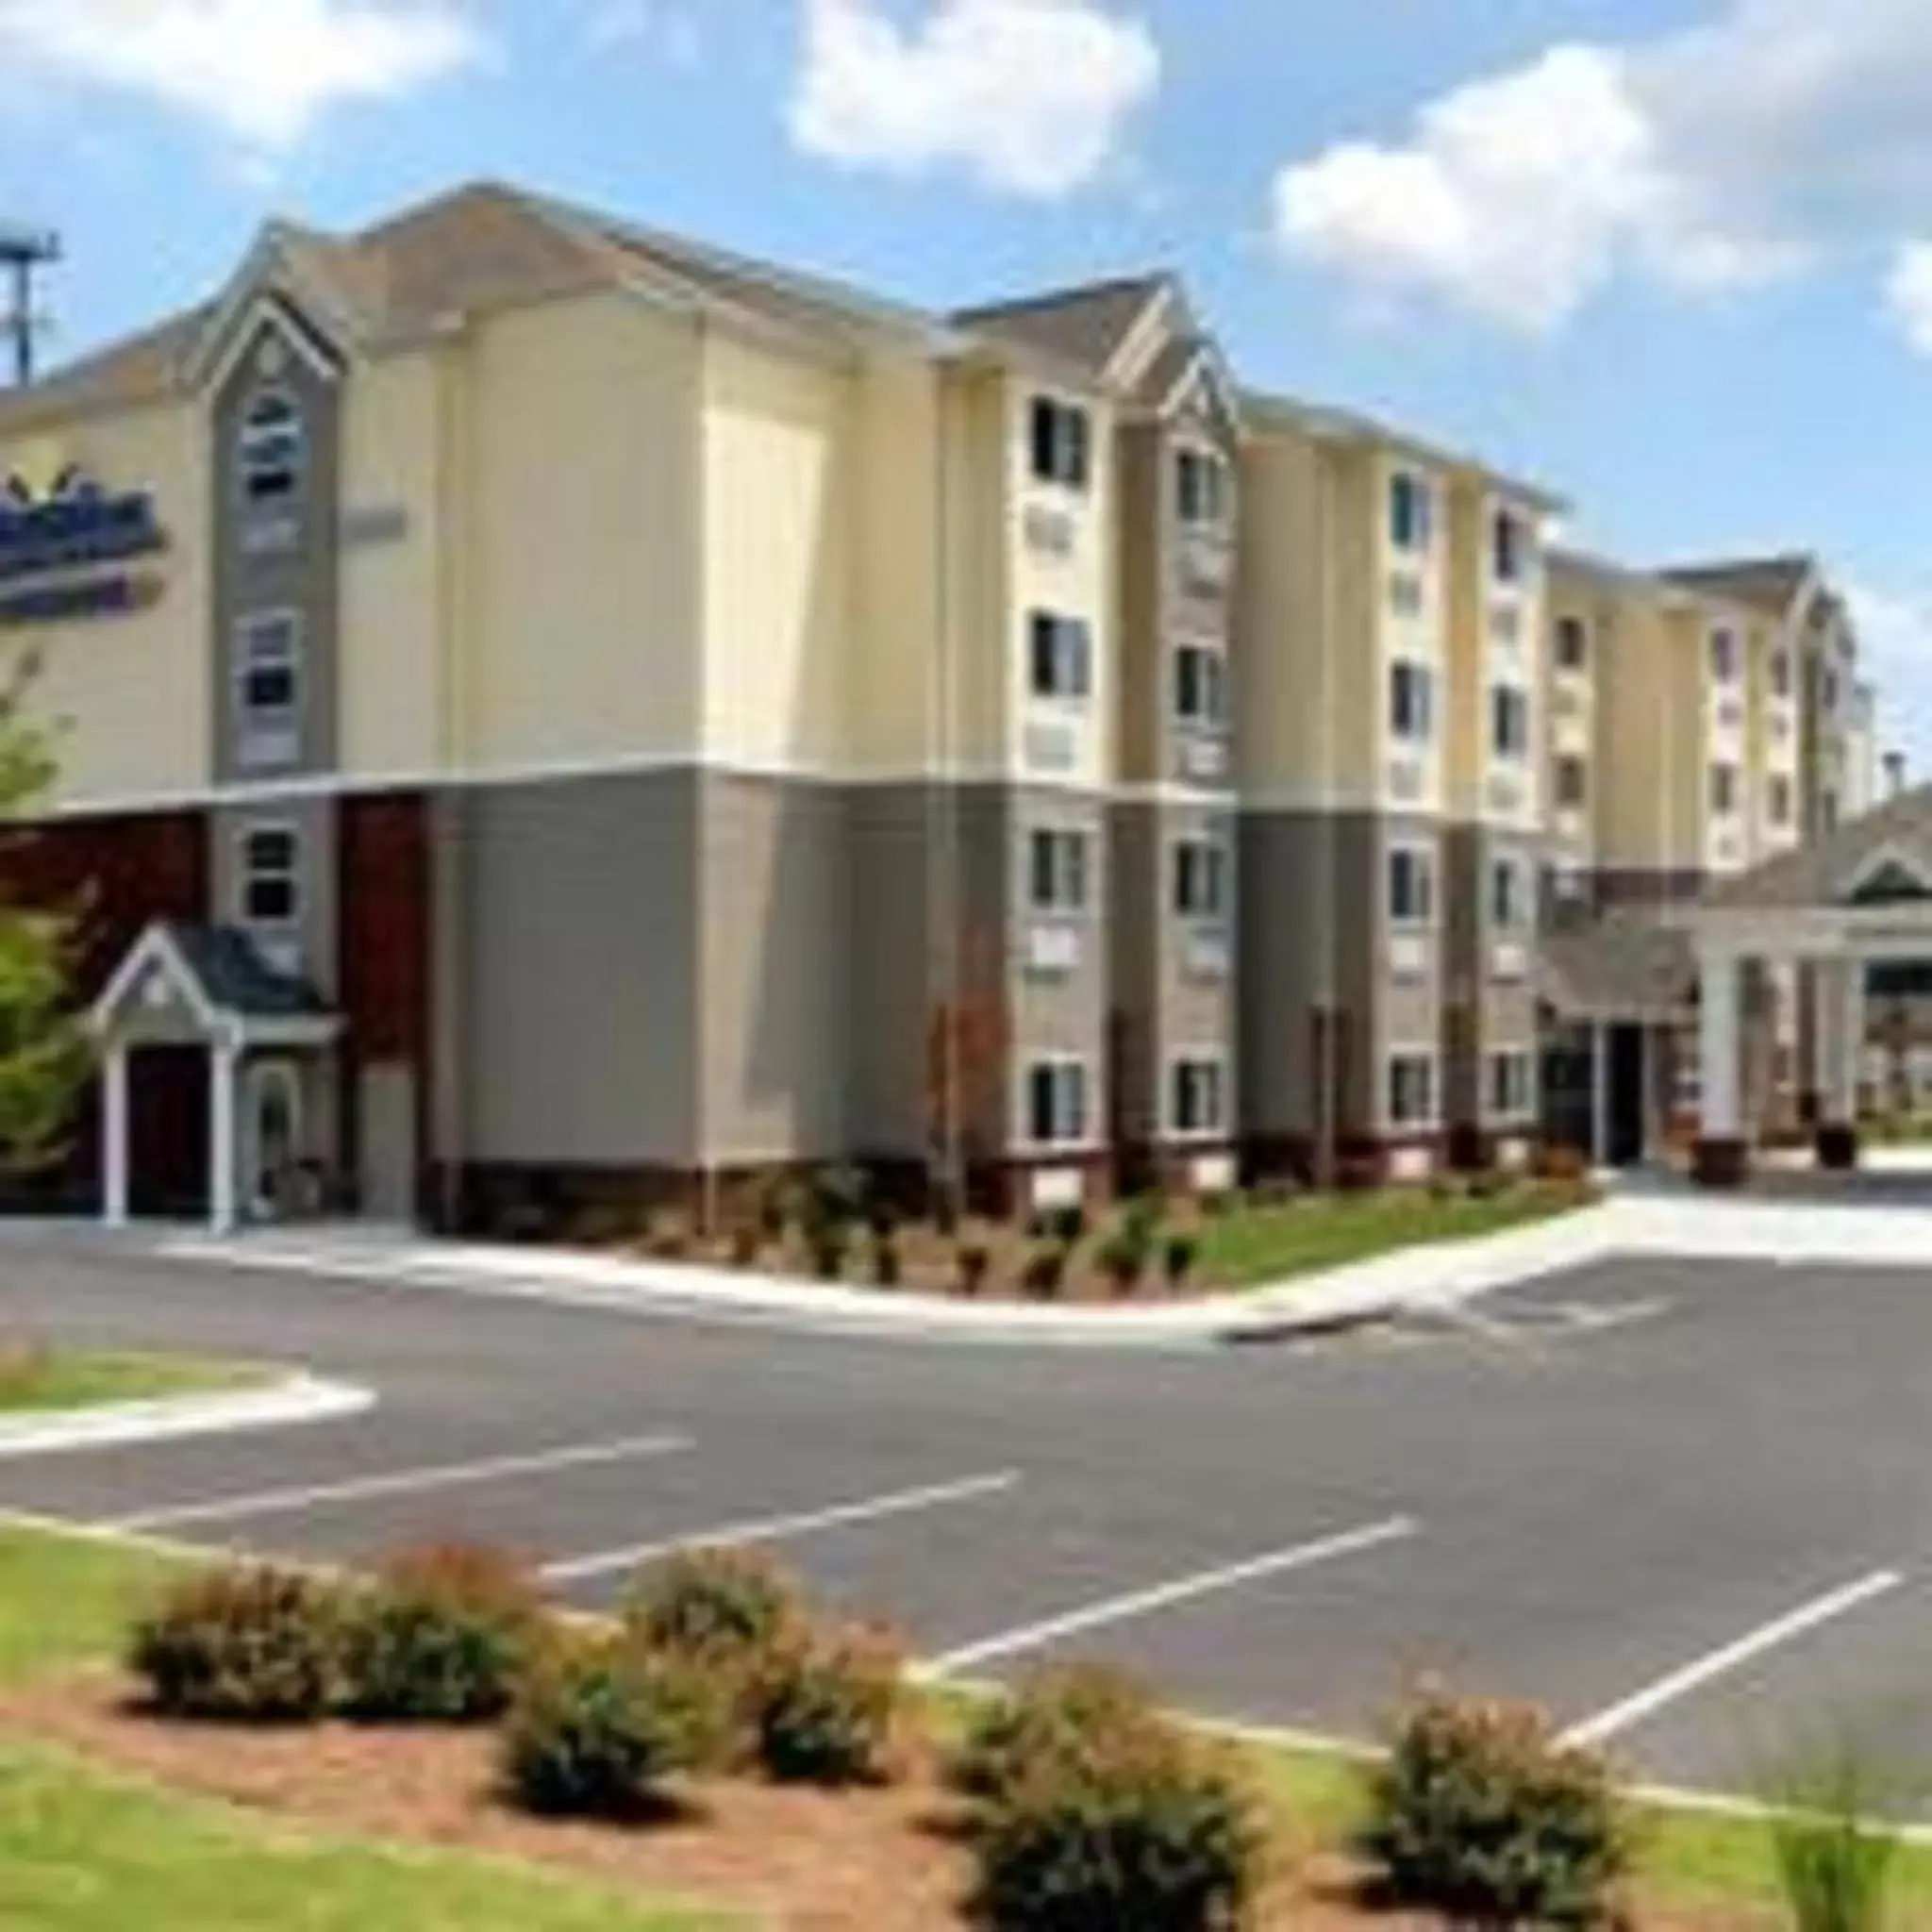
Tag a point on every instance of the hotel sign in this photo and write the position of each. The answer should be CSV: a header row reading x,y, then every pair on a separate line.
x,y
65,555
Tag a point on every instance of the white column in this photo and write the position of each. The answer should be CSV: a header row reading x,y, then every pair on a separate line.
x,y
114,1132
1847,1067
224,1069
1600,1093
1720,1023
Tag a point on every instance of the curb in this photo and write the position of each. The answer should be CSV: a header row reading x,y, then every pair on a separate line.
x,y
296,1401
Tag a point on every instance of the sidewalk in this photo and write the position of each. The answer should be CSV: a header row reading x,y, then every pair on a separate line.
x,y
1432,1277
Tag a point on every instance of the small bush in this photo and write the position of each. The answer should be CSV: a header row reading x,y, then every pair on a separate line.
x,y
599,1728
1178,1260
248,1645
1481,1815
974,1264
1561,1162
1123,1259
1068,1225
1045,1274
1091,1812
828,1244
442,1636
747,1245
828,1709
719,1606
888,1264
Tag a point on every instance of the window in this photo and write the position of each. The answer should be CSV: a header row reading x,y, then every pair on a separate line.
x,y
1201,489
1199,687
1062,655
1509,896
1411,885
1412,701
268,672
1724,789
1511,537
271,448
1827,811
1573,783
1056,1104
1410,509
1724,656
1778,805
270,863
1828,688
1062,437
1056,870
1405,593
1781,674
1573,644
1512,1085
1412,1090
1200,878
1198,1096
1509,721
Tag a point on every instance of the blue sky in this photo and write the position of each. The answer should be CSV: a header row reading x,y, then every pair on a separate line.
x,y
1673,257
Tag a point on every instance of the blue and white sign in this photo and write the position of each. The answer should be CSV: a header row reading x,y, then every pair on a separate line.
x,y
77,526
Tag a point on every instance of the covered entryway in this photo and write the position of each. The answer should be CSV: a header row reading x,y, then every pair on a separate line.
x,y
1831,914
267,1045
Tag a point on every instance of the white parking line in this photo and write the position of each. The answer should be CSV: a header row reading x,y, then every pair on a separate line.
x,y
402,1482
1123,1609
1679,1684
774,1529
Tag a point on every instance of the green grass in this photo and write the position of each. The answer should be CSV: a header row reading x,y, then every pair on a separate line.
x,y
34,1382
1254,1247
65,1600
85,1852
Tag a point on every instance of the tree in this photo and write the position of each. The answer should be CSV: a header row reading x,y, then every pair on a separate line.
x,y
44,1053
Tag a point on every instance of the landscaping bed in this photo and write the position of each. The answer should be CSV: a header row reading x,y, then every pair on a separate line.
x,y
889,1839
1140,1251
36,1381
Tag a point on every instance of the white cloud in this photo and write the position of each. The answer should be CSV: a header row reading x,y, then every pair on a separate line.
x,y
1895,654
1029,97
1718,157
1908,293
260,71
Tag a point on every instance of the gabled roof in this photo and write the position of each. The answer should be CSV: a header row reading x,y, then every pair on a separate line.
x,y
221,976
1826,871
1629,966
1771,585
1087,326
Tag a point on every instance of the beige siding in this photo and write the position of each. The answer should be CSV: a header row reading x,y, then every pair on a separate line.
x,y
132,690
581,577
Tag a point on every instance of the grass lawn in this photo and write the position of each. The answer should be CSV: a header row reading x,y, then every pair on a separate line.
x,y
87,1851
34,1381
1256,1247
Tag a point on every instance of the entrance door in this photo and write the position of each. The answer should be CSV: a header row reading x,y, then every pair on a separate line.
x,y
272,1137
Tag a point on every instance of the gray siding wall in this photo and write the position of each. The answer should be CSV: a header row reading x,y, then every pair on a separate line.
x,y
1137,1031
898,851
1286,960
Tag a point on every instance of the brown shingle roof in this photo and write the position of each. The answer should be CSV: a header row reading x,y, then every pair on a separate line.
x,y
1085,326
1628,966
1813,873
1769,584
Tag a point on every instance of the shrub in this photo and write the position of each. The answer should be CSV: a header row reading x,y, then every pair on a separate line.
x,y
245,1644
599,1728
828,1243
1181,1253
835,1198
1068,1225
747,1245
1481,1815
778,1205
1835,1852
829,1708
719,1606
1092,1812
669,1239
1561,1162
888,1266
442,1636
1045,1272
975,1264
1124,1260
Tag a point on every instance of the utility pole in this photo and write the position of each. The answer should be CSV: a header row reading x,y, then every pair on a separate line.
x,y
24,252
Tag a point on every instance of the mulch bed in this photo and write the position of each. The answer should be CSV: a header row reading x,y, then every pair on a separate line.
x,y
797,1860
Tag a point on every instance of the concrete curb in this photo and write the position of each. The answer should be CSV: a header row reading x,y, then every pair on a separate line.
x,y
1432,1278
295,1400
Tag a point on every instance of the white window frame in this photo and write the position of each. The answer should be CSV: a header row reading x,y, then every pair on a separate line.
x,y
1068,644
1422,501
1733,806
253,439
1210,512
1508,700
1521,892
1510,542
1500,1072
1427,858
1418,680
1068,450
1212,685
1567,626
1411,1058
249,657
1185,1067
248,874
1058,1066
1727,656
1213,871
1070,884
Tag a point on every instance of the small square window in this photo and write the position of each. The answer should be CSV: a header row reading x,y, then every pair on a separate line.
x,y
1061,655
1508,894
1200,878
1198,1102
1510,536
1512,1086
1201,489
1510,721
1573,644
1410,511
1723,791
1724,656
1199,687
1056,1104
1412,1090
1061,443
1573,783
271,864
1412,701
1412,886
1056,870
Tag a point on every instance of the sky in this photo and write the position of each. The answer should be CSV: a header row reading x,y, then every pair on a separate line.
x,y
1672,258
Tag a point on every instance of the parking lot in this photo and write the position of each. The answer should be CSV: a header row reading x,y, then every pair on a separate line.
x,y
1686,1506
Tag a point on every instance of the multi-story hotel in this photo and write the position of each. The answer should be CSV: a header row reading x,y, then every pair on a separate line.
x,y
560,714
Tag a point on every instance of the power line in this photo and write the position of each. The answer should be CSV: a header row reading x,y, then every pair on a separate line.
x,y
24,252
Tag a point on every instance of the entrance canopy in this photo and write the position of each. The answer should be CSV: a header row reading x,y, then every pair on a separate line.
x,y
207,986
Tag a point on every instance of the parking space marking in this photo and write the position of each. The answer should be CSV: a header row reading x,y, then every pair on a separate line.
x,y
1667,1691
773,1529
402,1482
1142,1602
